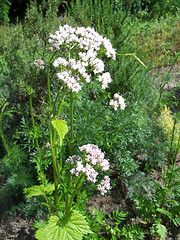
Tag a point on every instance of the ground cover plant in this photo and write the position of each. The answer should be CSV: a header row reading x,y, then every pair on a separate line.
x,y
56,134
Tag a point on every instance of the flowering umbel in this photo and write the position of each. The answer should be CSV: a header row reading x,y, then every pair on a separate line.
x,y
84,46
89,165
117,102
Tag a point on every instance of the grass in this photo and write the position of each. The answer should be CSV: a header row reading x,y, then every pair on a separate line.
x,y
157,41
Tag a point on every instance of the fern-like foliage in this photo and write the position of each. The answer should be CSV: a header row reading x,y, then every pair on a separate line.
x,y
118,216
160,230
38,190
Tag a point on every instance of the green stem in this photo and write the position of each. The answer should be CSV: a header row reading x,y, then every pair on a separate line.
x,y
48,81
53,138
133,55
94,119
71,148
54,131
71,125
55,169
61,102
35,134
129,54
74,193
54,104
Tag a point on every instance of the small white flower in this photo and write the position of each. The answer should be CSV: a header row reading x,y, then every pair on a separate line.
x,y
117,102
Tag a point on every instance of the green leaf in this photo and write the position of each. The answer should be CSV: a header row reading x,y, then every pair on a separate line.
x,y
61,128
176,221
37,190
165,212
72,229
161,230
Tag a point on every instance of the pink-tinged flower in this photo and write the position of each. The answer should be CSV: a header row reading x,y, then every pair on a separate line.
x,y
117,102
39,63
95,156
60,61
56,47
74,159
87,43
104,185
87,166
98,65
105,79
104,164
48,145
72,82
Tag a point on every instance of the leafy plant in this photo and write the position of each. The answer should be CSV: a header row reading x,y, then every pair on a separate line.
x,y
4,112
74,227
4,10
163,200
115,230
69,175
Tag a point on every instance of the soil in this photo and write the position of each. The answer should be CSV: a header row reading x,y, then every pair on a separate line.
x,y
18,228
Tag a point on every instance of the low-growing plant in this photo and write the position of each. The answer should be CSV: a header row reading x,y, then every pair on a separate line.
x,y
162,202
115,230
5,112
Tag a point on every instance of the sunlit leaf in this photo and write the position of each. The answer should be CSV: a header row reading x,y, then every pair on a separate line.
x,y
161,230
61,128
37,190
74,229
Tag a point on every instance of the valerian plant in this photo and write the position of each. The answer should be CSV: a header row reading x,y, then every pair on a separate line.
x,y
76,60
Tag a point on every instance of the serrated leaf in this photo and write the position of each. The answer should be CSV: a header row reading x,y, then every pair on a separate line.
x,y
37,190
61,128
161,230
74,229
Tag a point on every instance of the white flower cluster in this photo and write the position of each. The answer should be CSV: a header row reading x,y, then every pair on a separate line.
x,y
87,43
117,102
93,158
71,81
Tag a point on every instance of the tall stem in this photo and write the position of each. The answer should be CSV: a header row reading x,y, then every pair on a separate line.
x,y
71,125
70,203
94,119
71,150
35,133
53,139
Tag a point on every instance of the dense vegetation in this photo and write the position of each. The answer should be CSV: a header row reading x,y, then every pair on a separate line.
x,y
42,123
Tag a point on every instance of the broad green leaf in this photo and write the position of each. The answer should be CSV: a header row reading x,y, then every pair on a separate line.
x,y
61,128
74,229
161,230
37,190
